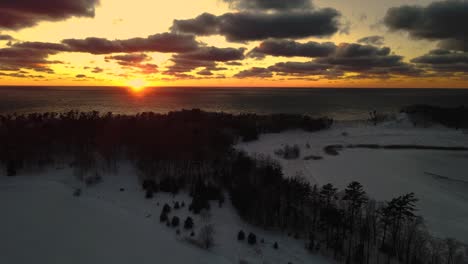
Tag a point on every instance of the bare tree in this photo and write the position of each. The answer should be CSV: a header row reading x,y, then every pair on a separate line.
x,y
205,236
452,247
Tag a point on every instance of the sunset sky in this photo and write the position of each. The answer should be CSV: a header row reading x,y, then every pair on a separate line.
x,y
300,43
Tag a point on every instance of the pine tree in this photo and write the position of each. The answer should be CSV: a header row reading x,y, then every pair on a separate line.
x,y
166,209
356,197
175,221
241,235
163,217
252,239
328,193
149,194
329,213
394,215
188,223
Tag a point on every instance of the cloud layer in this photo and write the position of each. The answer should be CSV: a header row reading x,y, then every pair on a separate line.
x,y
363,60
17,14
290,48
163,42
270,4
444,21
250,26
444,61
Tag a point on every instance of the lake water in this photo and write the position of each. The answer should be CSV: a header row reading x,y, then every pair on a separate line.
x,y
341,104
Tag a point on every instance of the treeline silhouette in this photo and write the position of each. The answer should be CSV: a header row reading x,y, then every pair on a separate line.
x,y
193,150
36,140
346,224
456,117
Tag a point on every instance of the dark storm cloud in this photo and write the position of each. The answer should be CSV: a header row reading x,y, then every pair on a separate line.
x,y
444,20
5,37
214,54
353,50
372,40
134,61
17,14
129,58
21,74
206,57
147,68
300,68
249,26
270,4
233,63
205,72
182,66
17,58
357,58
163,42
256,72
454,44
203,25
369,59
97,70
444,61
45,46
289,48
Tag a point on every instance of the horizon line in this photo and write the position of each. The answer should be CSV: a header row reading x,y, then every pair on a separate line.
x,y
228,87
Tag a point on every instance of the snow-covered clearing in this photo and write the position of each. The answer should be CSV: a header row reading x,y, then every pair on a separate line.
x,y
42,222
438,178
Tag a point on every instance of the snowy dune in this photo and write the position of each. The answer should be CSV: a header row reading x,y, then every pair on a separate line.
x,y
42,222
438,178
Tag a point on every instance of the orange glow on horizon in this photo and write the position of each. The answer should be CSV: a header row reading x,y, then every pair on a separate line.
x,y
137,85
121,20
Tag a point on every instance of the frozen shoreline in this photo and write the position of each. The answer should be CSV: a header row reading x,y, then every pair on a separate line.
x,y
439,178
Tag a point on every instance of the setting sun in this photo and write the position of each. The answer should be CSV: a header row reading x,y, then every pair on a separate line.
x,y
137,85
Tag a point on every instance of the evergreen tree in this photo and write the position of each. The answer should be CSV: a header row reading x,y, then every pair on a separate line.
x,y
163,217
328,213
356,197
241,235
252,239
327,194
175,221
149,194
188,223
166,209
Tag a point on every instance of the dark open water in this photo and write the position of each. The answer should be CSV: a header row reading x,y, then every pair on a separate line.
x,y
341,104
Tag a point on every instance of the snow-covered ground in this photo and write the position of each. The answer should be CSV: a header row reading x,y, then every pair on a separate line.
x,y
42,222
438,178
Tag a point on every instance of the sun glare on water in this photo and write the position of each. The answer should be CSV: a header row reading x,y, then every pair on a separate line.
x,y
137,85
